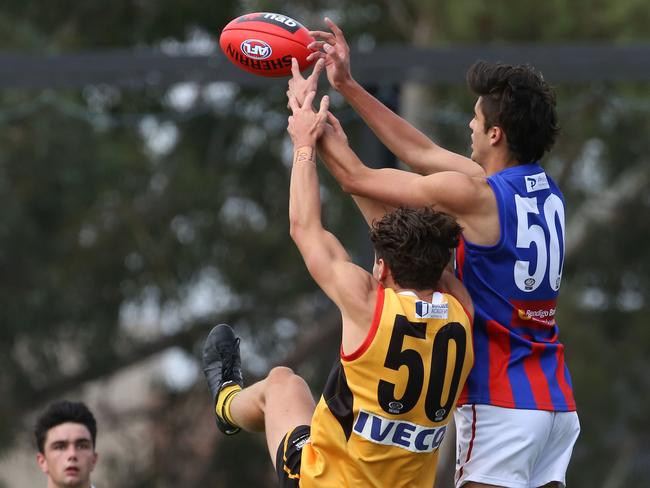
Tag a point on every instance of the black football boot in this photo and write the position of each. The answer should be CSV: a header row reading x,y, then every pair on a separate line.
x,y
222,367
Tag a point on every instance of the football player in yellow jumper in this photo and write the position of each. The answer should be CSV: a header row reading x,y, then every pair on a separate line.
x,y
405,353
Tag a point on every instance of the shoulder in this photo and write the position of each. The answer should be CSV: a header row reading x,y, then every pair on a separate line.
x,y
457,192
360,312
358,297
452,286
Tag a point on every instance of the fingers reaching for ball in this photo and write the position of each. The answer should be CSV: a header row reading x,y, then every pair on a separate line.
x,y
300,86
336,52
306,126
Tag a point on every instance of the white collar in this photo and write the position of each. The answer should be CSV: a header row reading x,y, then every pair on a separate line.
x,y
436,297
407,293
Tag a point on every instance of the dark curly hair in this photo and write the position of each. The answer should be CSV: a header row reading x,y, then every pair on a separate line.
x,y
60,412
416,244
517,99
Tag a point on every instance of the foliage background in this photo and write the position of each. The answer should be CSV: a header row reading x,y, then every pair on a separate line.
x,y
134,219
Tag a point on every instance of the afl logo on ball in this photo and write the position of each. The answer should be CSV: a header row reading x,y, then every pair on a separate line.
x,y
256,49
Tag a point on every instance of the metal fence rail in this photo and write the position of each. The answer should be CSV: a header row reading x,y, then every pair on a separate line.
x,y
139,68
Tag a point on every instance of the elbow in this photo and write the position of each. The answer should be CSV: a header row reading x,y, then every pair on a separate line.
x,y
346,177
346,187
295,228
296,235
343,176
349,184
298,230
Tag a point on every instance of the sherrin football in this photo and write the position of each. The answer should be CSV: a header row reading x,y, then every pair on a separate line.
x,y
263,43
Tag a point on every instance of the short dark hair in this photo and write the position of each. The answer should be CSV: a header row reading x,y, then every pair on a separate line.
x,y
416,244
60,412
517,99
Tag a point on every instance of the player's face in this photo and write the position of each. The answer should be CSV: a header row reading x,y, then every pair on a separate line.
x,y
480,139
69,456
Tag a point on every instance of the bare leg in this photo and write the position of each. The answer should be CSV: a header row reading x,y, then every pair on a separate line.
x,y
247,407
277,404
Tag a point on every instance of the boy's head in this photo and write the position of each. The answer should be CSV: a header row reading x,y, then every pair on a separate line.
x,y
415,244
65,437
518,100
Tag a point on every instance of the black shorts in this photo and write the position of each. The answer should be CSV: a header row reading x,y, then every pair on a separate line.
x,y
287,459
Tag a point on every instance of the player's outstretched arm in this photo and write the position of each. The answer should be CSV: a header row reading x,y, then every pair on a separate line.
x,y
305,127
334,144
387,187
410,145
325,257
455,193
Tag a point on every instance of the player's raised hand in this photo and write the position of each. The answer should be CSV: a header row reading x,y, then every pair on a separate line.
x,y
336,52
300,86
306,126
335,129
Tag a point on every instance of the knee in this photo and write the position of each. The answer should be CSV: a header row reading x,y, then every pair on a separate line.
x,y
280,375
283,377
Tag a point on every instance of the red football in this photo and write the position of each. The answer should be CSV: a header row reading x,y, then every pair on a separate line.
x,y
263,43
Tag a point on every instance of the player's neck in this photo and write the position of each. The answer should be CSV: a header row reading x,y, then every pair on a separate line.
x,y
389,282
499,160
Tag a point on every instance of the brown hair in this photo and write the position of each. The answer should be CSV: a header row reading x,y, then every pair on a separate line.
x,y
416,244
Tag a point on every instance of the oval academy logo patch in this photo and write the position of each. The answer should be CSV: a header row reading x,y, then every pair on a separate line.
x,y
256,49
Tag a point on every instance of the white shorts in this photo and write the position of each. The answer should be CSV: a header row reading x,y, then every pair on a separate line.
x,y
511,447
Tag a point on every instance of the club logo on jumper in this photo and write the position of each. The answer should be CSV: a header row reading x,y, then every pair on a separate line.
x,y
256,49
287,23
406,435
437,309
536,182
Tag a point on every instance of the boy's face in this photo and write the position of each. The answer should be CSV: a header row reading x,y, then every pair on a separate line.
x,y
480,137
69,456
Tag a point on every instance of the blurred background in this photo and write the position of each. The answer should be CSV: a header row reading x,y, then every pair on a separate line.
x,y
144,189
